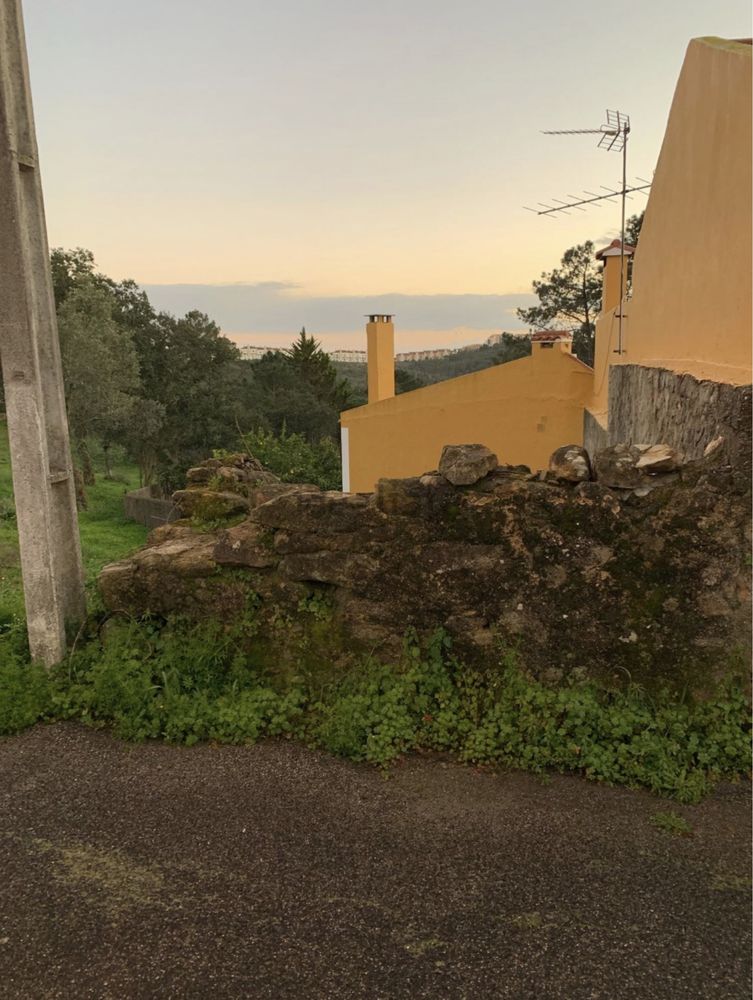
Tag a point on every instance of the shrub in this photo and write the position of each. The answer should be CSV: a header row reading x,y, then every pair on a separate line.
x,y
185,682
25,692
294,459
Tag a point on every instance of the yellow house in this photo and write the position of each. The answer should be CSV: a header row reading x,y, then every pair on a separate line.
x,y
663,355
522,410
690,311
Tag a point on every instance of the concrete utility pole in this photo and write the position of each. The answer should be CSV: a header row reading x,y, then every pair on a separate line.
x,y
30,352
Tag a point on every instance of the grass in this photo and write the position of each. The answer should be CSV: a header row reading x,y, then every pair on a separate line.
x,y
105,533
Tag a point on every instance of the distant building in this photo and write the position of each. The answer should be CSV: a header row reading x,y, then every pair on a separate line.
x,y
349,357
435,355
252,353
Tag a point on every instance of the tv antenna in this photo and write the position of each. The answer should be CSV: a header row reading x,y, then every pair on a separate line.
x,y
613,136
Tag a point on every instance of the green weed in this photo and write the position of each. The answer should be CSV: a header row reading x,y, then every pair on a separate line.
x,y
670,822
184,682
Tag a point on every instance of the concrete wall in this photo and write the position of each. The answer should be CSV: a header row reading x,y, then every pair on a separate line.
x,y
595,434
691,304
522,410
148,506
651,405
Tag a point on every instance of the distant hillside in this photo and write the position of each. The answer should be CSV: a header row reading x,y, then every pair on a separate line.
x,y
413,374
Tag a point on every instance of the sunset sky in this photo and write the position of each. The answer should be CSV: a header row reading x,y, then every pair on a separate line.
x,y
305,161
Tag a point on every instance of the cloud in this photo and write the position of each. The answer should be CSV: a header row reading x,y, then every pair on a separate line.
x,y
269,307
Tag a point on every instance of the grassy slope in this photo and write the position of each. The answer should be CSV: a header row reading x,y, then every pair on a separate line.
x,y
105,533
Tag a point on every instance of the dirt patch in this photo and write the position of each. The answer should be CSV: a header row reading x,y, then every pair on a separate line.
x,y
109,879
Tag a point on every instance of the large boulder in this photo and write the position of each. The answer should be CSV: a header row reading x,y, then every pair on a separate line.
x,y
465,464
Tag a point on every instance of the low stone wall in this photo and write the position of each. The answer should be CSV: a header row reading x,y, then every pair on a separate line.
x,y
655,404
149,507
640,575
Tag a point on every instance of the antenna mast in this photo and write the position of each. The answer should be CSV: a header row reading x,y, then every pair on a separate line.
x,y
613,137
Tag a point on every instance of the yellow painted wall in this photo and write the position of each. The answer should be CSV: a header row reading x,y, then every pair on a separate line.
x,y
690,309
380,352
522,410
691,305
605,345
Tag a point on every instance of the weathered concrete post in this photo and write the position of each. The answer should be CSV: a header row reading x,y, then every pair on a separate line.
x,y
30,352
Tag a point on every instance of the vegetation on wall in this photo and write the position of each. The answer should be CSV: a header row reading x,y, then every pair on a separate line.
x,y
186,683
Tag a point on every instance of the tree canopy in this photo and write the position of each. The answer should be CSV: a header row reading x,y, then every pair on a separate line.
x,y
169,390
570,295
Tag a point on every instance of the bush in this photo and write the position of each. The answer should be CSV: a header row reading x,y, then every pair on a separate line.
x,y
25,692
296,460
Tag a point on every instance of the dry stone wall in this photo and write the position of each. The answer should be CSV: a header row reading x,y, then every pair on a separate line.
x,y
647,580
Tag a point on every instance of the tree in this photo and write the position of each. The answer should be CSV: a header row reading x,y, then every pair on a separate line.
x,y
633,228
199,390
100,367
298,391
511,347
69,269
406,381
285,400
316,368
570,295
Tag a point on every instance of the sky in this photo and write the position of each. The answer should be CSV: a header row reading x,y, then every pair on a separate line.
x,y
308,161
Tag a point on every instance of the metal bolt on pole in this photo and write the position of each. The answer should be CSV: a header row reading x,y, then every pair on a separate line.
x,y
30,352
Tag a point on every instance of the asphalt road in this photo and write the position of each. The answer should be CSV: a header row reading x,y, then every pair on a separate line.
x,y
277,872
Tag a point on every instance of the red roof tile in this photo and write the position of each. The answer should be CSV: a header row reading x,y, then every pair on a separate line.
x,y
614,245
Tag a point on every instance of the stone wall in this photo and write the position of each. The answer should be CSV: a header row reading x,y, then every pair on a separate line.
x,y
639,575
148,506
655,404
595,437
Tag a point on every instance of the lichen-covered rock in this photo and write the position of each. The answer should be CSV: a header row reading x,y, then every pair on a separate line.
x,y
571,464
238,468
635,466
573,576
616,466
221,488
257,495
465,464
209,505
657,458
245,544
